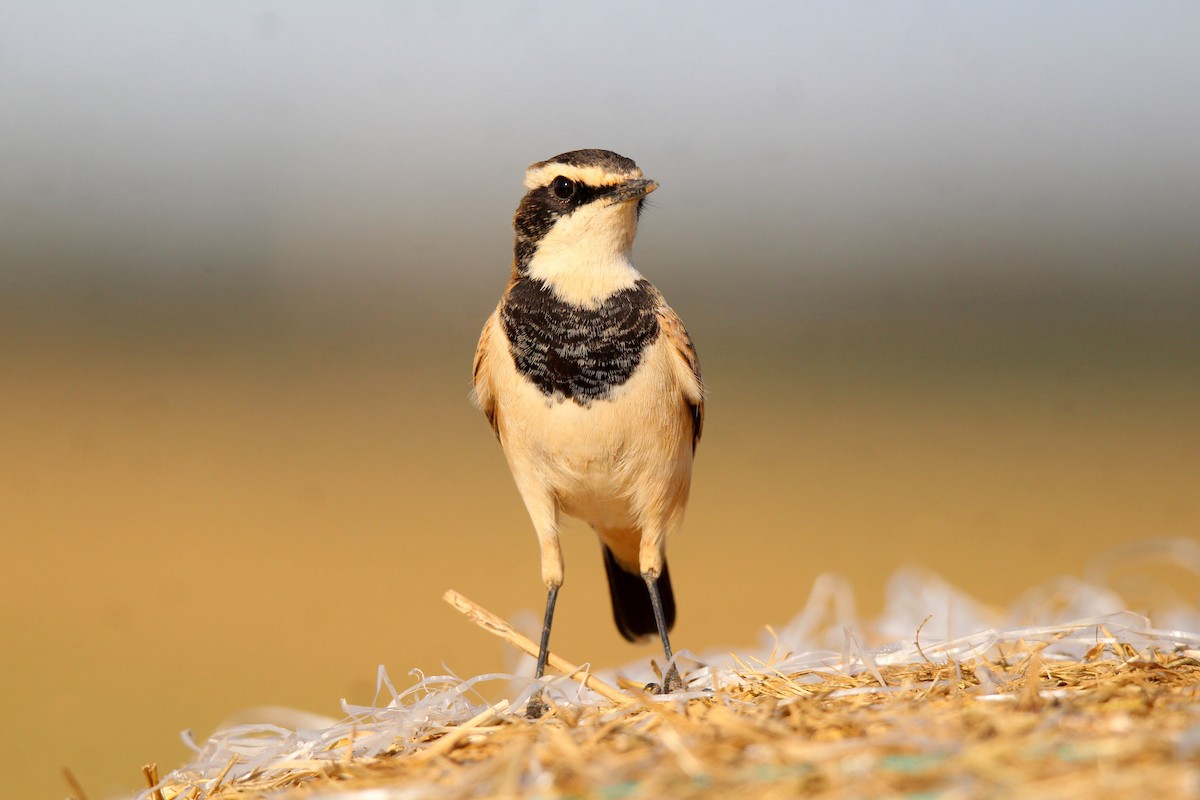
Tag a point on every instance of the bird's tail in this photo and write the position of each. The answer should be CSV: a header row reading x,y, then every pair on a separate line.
x,y
631,606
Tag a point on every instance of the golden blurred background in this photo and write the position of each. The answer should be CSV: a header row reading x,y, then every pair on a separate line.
x,y
942,274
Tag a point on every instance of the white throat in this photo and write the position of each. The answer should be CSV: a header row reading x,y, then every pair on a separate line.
x,y
585,257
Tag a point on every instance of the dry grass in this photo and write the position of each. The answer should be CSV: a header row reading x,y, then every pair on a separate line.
x,y
1021,721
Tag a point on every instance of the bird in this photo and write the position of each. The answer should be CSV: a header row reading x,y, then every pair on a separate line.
x,y
593,387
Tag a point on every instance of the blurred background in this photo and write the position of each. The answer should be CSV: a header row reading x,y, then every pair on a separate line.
x,y
940,261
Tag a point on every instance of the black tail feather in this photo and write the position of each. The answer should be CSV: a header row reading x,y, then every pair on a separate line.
x,y
631,600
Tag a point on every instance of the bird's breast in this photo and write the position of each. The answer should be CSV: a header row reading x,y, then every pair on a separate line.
x,y
573,352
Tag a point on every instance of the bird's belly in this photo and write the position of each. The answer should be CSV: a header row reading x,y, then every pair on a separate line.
x,y
607,462
596,491
591,458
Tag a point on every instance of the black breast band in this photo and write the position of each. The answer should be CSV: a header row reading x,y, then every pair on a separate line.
x,y
578,353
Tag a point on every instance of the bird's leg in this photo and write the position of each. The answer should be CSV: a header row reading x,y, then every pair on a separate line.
x,y
543,510
671,681
536,706
547,621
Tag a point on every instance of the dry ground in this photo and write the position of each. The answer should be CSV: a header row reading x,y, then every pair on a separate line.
x,y
1019,720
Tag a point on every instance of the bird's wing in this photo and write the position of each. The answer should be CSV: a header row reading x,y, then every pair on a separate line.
x,y
485,353
687,365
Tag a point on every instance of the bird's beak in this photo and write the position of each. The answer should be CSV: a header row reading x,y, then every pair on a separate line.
x,y
634,189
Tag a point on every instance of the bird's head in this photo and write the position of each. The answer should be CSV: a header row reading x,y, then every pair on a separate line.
x,y
576,223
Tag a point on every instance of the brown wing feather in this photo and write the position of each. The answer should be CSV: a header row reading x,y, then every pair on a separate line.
x,y
693,386
481,391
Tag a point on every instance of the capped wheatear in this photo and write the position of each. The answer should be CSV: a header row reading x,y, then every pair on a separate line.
x,y
592,385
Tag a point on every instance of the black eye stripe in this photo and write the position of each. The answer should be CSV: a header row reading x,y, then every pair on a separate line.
x,y
545,199
585,194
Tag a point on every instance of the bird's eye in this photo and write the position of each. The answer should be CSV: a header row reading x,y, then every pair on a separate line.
x,y
563,188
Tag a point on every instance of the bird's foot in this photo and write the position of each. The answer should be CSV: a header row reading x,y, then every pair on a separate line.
x,y
536,707
671,683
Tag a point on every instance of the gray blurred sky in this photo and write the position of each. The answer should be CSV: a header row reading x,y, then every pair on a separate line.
x,y
301,148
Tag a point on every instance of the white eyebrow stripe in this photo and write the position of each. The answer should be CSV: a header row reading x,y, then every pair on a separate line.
x,y
543,173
